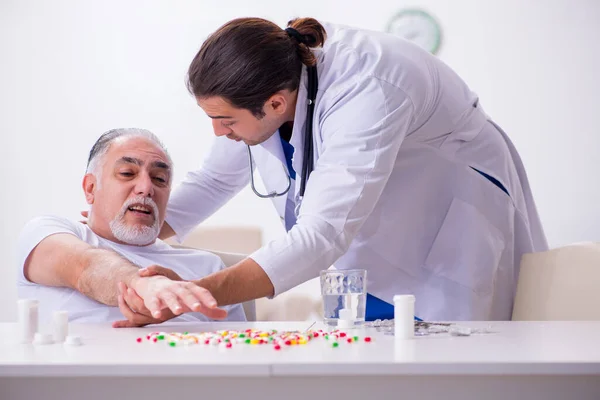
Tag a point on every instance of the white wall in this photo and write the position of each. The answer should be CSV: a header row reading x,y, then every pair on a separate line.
x,y
70,70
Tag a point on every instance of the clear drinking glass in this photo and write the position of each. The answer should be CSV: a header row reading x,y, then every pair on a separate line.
x,y
344,297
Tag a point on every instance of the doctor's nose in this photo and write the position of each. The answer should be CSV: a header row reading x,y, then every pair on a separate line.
x,y
219,129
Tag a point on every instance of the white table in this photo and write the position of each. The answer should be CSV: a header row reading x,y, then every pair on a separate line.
x,y
551,360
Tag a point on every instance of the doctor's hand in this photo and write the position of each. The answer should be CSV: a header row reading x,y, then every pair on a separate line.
x,y
158,270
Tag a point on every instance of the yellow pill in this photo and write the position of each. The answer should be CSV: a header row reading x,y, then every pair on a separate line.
x,y
302,341
255,341
293,341
264,334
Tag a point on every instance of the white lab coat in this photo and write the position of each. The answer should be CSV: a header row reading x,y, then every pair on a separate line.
x,y
396,137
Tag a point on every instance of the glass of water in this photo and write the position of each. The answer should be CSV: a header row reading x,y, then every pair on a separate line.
x,y
344,297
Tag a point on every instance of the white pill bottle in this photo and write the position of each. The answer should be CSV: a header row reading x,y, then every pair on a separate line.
x,y
28,319
404,316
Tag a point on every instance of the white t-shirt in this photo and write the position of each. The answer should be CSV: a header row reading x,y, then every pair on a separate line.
x,y
187,263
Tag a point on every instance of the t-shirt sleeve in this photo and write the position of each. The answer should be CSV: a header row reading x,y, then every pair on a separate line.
x,y
37,230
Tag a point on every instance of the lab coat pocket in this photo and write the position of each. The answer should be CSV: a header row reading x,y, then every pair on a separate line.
x,y
467,248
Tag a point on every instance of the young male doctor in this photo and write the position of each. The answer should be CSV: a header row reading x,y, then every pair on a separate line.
x,y
375,154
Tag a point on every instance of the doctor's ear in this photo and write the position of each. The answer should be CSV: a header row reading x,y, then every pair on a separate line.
x,y
279,102
89,187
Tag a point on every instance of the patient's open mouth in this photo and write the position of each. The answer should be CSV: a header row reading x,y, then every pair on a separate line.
x,y
139,208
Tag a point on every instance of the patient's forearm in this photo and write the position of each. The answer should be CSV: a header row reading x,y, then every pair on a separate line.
x,y
101,271
63,260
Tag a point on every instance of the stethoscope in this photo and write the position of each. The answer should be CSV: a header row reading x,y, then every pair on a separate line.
x,y
307,162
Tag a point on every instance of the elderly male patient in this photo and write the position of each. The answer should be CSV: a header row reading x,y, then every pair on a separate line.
x,y
80,268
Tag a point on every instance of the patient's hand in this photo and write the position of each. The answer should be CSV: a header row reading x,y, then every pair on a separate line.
x,y
133,308
157,299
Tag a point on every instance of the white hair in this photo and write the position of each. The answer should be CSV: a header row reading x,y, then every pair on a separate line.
x,y
103,143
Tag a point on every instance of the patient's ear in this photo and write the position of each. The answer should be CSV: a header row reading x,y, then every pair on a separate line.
x,y
89,187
